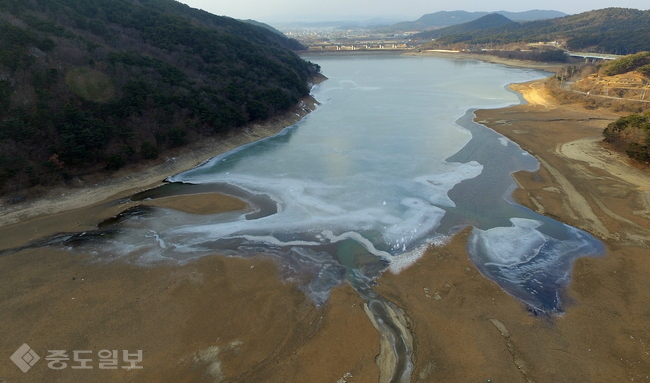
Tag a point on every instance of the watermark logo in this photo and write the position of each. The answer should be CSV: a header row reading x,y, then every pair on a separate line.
x,y
25,358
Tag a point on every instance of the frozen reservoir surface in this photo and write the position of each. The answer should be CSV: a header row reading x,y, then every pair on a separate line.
x,y
390,163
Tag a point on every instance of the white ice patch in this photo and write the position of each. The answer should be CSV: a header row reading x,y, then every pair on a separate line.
x,y
524,222
405,260
504,141
510,245
276,242
443,182
418,221
354,204
360,239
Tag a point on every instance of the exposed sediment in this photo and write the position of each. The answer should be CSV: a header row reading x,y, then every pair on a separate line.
x,y
395,339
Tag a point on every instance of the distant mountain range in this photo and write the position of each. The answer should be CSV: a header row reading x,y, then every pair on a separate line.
x,y
610,30
428,21
493,20
444,19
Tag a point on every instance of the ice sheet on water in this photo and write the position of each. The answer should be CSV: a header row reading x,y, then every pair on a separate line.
x,y
452,174
509,245
369,166
529,264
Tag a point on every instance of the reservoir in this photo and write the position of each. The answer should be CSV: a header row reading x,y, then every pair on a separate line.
x,y
390,163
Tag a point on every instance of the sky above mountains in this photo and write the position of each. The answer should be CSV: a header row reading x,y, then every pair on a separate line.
x,y
310,11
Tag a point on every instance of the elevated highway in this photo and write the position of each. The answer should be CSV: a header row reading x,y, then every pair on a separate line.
x,y
593,56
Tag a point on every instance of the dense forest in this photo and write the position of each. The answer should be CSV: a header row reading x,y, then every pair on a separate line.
x,y
610,30
639,62
632,134
94,84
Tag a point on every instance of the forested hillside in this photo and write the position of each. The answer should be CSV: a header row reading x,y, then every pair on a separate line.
x,y
639,62
492,20
632,135
93,84
610,30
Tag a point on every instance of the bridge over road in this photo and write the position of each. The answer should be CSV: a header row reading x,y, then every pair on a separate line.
x,y
593,56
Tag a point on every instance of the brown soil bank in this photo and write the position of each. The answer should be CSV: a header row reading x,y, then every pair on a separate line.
x,y
216,319
468,329
211,320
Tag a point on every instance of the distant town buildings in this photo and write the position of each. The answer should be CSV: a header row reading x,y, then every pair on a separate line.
x,y
334,39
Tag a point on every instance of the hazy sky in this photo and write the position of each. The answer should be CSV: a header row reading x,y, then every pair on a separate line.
x,y
328,10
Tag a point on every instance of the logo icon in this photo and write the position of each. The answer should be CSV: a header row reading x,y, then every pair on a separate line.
x,y
25,357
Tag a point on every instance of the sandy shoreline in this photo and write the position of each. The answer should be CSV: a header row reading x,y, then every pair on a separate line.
x,y
227,319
